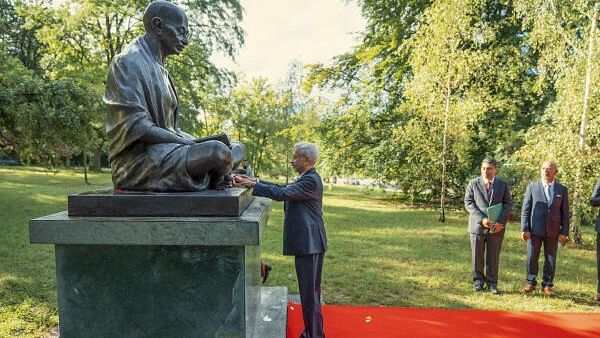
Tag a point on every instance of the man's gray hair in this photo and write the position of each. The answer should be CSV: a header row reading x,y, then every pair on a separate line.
x,y
491,161
309,150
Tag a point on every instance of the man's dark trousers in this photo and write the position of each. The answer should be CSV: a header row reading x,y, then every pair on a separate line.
x,y
491,244
308,272
534,246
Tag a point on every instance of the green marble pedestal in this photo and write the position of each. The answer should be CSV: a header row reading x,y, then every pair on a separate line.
x,y
157,276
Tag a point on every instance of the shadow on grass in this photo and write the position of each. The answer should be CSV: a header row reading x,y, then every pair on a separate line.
x,y
27,290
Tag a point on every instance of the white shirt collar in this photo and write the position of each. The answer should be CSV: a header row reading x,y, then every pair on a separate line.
x,y
307,170
551,184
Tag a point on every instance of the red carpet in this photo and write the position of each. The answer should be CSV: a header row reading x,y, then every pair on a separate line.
x,y
388,322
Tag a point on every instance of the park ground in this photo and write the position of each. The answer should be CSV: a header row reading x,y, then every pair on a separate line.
x,y
381,252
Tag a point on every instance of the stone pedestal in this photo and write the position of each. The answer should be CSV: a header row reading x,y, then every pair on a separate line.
x,y
158,276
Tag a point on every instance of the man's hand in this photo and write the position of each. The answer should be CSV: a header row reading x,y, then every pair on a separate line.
x,y
243,181
486,223
525,235
498,227
562,239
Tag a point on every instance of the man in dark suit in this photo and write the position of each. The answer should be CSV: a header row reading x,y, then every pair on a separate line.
x,y
595,202
486,235
304,231
544,221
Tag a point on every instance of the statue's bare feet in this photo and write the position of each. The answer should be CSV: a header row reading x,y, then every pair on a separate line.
x,y
227,181
224,182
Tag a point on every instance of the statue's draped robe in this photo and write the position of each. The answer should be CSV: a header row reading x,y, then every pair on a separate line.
x,y
140,95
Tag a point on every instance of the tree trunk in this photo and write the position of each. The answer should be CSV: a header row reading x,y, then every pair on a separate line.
x,y
85,166
577,193
17,156
97,160
444,153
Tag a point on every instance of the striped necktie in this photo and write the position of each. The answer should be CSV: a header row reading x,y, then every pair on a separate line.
x,y
488,190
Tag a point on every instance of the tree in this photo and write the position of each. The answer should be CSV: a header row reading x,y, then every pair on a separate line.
x,y
19,37
257,119
40,118
428,93
446,56
12,75
565,37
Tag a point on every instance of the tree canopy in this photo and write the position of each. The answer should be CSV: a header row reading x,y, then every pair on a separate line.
x,y
432,88
436,86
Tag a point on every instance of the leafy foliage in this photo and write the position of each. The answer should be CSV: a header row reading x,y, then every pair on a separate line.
x,y
41,120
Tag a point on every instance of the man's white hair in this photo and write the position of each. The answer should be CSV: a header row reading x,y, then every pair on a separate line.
x,y
551,163
309,150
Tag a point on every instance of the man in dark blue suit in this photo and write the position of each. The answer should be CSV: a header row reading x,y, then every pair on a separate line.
x,y
303,232
595,202
544,221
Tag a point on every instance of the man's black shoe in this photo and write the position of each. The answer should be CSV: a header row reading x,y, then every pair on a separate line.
x,y
477,288
494,290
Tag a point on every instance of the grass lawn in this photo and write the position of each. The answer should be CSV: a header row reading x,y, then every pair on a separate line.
x,y
380,253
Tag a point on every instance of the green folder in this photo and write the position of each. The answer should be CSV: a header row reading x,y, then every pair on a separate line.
x,y
494,212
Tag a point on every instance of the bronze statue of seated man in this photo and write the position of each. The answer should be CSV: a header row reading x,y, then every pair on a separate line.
x,y
147,150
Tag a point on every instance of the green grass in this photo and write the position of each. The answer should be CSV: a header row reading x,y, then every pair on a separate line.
x,y
27,275
380,253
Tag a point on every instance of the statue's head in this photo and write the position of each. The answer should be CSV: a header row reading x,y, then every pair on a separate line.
x,y
169,24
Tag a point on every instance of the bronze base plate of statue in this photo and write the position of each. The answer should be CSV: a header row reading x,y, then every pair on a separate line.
x,y
228,202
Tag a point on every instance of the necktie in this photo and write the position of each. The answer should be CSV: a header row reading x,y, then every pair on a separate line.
x,y
488,189
548,194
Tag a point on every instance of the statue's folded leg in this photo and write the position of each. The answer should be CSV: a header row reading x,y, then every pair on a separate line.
x,y
211,158
215,159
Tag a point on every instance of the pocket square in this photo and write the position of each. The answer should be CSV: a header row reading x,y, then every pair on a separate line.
x,y
558,196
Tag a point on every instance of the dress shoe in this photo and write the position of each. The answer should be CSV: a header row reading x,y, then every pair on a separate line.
x,y
597,297
528,288
477,288
494,290
548,291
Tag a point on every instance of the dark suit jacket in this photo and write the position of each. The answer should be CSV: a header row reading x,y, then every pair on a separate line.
x,y
303,231
539,218
476,202
595,202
